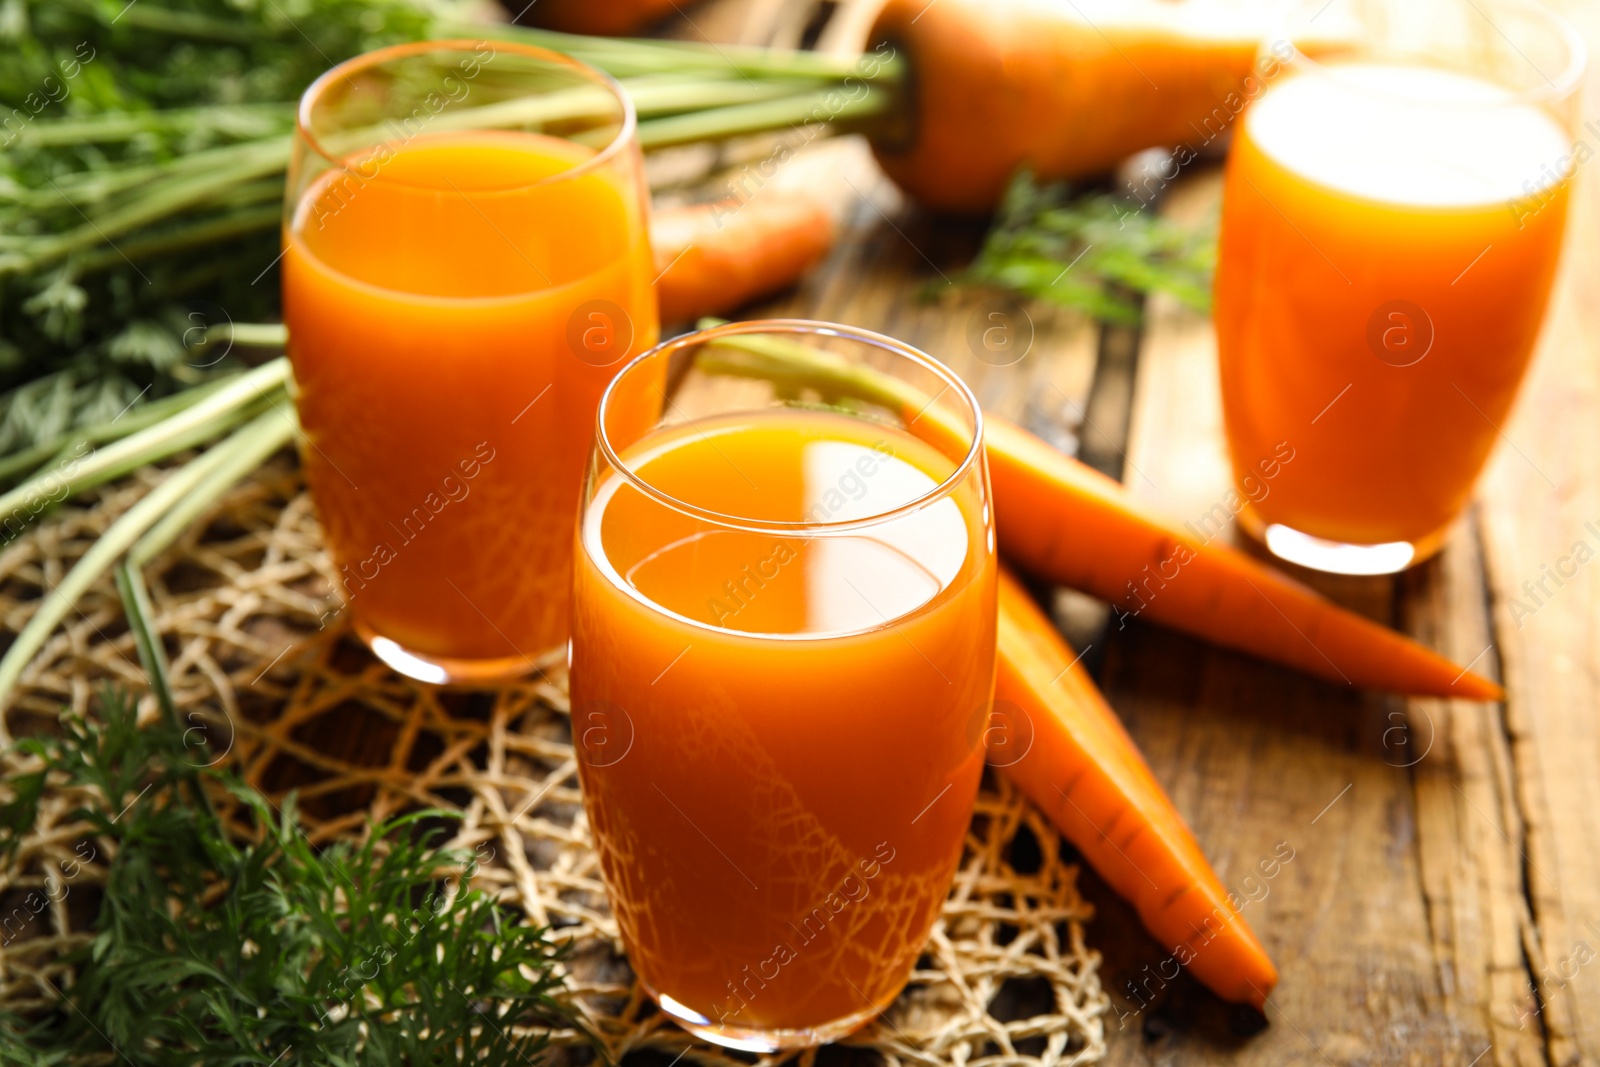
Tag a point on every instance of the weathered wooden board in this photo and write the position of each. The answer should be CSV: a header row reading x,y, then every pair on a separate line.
x,y
1398,923
1539,502
1444,909
1443,901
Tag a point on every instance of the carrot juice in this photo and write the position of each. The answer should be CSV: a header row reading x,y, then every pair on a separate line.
x,y
779,717
457,301
1389,237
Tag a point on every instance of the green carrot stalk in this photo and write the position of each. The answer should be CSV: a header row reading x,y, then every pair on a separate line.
x,y
777,359
116,126
178,238
715,124
200,422
134,420
167,199
257,334
246,449
246,457
153,657
695,110
251,450
653,95
147,640
621,55
93,187
165,20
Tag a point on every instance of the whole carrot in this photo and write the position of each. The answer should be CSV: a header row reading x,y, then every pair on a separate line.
x,y
1066,89
715,257
1070,755
1066,522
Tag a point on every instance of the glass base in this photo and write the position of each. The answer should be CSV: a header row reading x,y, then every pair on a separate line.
x,y
760,1039
1338,557
439,670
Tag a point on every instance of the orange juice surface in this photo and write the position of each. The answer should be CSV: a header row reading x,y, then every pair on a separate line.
x,y
456,306
1389,235
779,734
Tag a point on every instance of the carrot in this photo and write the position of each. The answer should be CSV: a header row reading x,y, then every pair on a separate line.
x,y
715,257
1079,766
1066,89
605,18
1066,522
1071,524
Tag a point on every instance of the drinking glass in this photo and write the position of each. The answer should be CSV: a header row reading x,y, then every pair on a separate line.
x,y
1392,219
782,661
466,265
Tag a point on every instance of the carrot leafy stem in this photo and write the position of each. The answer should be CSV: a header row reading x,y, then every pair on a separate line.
x,y
239,941
143,148
1090,251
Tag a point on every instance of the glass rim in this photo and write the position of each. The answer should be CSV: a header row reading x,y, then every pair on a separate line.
x,y
314,92
1564,84
883,342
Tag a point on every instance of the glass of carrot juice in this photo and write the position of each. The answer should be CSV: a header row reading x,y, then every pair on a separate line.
x,y
1392,218
783,639
465,267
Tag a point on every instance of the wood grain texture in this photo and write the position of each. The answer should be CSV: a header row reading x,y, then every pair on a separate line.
x,y
1427,918
1443,901
1258,759
1540,513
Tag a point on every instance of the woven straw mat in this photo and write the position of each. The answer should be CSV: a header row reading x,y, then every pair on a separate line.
x,y
250,616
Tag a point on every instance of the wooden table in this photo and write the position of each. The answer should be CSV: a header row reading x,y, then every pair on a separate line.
x,y
1443,901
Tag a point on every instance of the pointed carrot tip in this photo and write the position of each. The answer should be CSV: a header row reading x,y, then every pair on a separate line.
x,y
1476,687
1262,989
